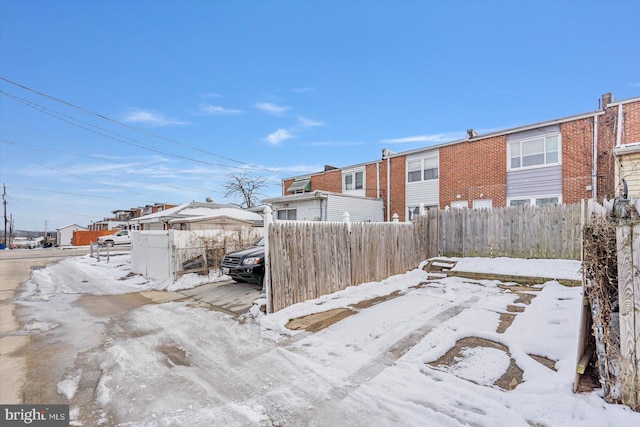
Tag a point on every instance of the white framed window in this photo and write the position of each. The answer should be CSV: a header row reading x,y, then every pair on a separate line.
x,y
535,201
459,204
353,180
415,210
287,214
534,152
482,203
424,169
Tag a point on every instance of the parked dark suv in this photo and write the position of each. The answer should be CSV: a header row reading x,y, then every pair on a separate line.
x,y
246,265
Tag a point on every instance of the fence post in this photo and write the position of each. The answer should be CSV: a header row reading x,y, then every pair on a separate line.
x,y
347,219
91,249
421,211
98,253
108,254
628,248
268,220
395,217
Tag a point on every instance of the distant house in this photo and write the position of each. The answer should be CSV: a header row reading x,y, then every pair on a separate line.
x,y
65,234
121,217
195,215
326,206
219,219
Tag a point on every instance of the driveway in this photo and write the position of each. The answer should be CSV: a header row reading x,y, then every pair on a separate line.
x,y
230,297
414,352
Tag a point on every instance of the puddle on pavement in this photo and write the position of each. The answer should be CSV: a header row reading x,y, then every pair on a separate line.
x,y
111,305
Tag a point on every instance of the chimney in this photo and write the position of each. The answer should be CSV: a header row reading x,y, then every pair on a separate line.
x,y
471,133
607,99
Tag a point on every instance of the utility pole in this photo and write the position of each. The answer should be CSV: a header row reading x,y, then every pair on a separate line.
x,y
11,229
4,202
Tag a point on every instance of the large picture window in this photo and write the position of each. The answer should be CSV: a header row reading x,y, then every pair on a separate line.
x,y
534,152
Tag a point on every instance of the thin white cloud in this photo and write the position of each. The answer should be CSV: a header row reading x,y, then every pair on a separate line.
x,y
278,136
268,107
306,122
333,143
302,89
151,118
434,138
216,110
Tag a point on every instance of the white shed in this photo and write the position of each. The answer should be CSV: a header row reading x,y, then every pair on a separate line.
x,y
326,206
65,234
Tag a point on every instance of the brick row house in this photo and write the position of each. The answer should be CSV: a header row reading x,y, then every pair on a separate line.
x,y
121,217
558,161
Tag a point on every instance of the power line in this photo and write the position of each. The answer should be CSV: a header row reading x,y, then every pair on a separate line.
x,y
101,116
60,192
104,132
45,149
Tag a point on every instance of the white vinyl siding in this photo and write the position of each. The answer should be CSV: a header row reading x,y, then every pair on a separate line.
x,y
418,190
630,172
360,209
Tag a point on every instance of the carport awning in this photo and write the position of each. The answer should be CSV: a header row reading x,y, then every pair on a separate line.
x,y
300,185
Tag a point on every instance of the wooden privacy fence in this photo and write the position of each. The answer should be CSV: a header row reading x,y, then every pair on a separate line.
x,y
310,259
517,231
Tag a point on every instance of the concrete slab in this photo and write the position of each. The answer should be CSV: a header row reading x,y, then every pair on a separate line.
x,y
229,296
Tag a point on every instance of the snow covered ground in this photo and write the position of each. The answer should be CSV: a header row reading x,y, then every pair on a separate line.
x,y
389,364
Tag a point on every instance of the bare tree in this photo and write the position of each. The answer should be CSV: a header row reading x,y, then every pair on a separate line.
x,y
246,188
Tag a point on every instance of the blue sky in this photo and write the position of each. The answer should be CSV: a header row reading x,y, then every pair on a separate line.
x,y
128,103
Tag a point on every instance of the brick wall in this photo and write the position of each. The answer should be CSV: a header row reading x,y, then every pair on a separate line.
x,y
327,181
371,184
286,183
398,185
631,132
606,158
474,170
577,159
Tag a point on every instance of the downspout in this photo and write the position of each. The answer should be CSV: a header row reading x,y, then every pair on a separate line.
x,y
594,169
388,190
377,180
619,126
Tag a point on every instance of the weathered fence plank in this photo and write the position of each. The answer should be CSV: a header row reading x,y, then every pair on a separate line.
x,y
628,246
